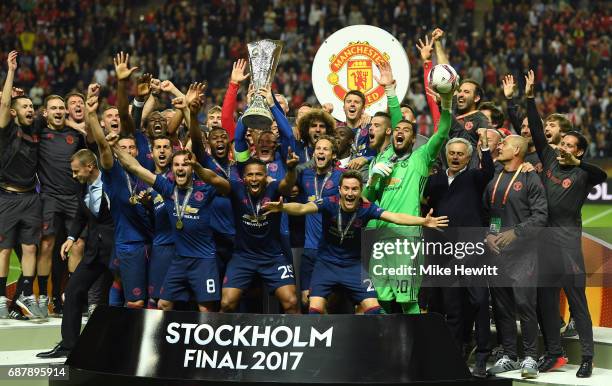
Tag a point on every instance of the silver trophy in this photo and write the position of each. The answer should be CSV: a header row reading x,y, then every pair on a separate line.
x,y
263,59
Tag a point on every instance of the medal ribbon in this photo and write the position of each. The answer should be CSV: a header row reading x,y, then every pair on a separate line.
x,y
348,226
319,193
507,189
180,210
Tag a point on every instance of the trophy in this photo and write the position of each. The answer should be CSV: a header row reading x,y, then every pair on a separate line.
x,y
263,59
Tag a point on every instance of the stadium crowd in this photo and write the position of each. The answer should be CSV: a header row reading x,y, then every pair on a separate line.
x,y
168,200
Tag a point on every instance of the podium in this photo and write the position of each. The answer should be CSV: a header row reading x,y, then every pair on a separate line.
x,y
151,347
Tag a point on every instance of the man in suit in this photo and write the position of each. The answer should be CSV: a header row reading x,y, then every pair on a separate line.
x,y
93,211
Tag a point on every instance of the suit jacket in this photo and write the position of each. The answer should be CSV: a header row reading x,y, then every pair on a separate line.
x,y
100,231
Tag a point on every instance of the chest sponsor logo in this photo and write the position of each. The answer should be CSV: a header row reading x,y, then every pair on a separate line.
x,y
191,210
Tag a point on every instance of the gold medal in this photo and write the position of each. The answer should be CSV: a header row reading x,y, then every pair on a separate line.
x,y
179,224
133,200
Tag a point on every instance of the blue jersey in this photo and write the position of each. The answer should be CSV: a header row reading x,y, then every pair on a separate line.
x,y
277,170
133,223
327,186
257,236
195,238
222,220
145,158
163,229
332,247
361,143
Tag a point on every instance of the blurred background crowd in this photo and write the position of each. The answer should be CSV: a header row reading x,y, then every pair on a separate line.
x,y
65,44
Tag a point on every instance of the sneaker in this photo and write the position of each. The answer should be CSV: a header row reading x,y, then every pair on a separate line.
x,y
4,311
16,315
58,309
586,369
497,352
43,305
549,363
504,364
529,368
91,309
29,306
570,330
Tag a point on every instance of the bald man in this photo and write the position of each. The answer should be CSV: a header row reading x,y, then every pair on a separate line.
x,y
516,207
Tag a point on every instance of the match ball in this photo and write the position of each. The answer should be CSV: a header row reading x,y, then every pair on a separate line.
x,y
443,78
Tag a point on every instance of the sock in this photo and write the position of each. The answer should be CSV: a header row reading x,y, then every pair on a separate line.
x,y
3,286
376,310
28,281
314,311
42,284
411,308
115,295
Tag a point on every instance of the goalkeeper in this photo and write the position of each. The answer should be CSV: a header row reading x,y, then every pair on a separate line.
x,y
396,185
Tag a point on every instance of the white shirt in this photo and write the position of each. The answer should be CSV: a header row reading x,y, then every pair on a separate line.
x,y
452,178
93,197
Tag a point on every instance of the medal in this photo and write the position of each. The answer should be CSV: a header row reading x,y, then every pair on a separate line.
x,y
132,190
133,200
344,231
180,208
254,209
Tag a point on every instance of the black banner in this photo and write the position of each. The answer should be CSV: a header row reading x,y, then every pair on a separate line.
x,y
268,348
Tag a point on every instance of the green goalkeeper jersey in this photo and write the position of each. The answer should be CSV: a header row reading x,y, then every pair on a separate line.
x,y
401,191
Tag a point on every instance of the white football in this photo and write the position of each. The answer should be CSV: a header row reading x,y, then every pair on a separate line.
x,y
443,78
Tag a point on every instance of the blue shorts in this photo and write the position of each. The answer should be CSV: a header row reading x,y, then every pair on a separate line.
x,y
275,273
326,276
161,257
191,275
133,262
309,256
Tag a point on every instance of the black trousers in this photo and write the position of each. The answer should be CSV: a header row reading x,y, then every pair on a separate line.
x,y
523,299
76,298
548,303
462,306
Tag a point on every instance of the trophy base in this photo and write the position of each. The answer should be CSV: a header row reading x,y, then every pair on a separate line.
x,y
256,121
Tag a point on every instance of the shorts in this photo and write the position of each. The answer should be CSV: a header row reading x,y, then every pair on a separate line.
x,y
133,264
161,258
224,244
191,275
327,275
20,219
58,209
309,256
275,273
401,288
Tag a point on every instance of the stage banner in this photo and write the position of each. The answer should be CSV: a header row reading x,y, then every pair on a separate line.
x,y
347,60
601,194
268,348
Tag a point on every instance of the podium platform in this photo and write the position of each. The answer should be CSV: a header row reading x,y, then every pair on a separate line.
x,y
121,346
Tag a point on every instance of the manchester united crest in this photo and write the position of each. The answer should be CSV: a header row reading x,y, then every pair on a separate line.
x,y
349,59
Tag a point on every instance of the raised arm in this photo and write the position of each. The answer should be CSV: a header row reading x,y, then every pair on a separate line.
x,y
229,101
434,144
194,100
386,80
130,163
208,176
284,128
535,122
123,76
106,154
437,35
144,102
406,219
5,101
513,113
290,178
426,50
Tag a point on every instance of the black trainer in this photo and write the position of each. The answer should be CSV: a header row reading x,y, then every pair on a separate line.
x,y
586,369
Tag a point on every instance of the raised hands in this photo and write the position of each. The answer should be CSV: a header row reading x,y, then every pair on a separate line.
x,y
122,68
17,92
238,71
386,75
12,61
155,86
508,85
195,96
93,90
143,85
92,104
426,49
179,103
167,86
292,159
437,34
529,84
